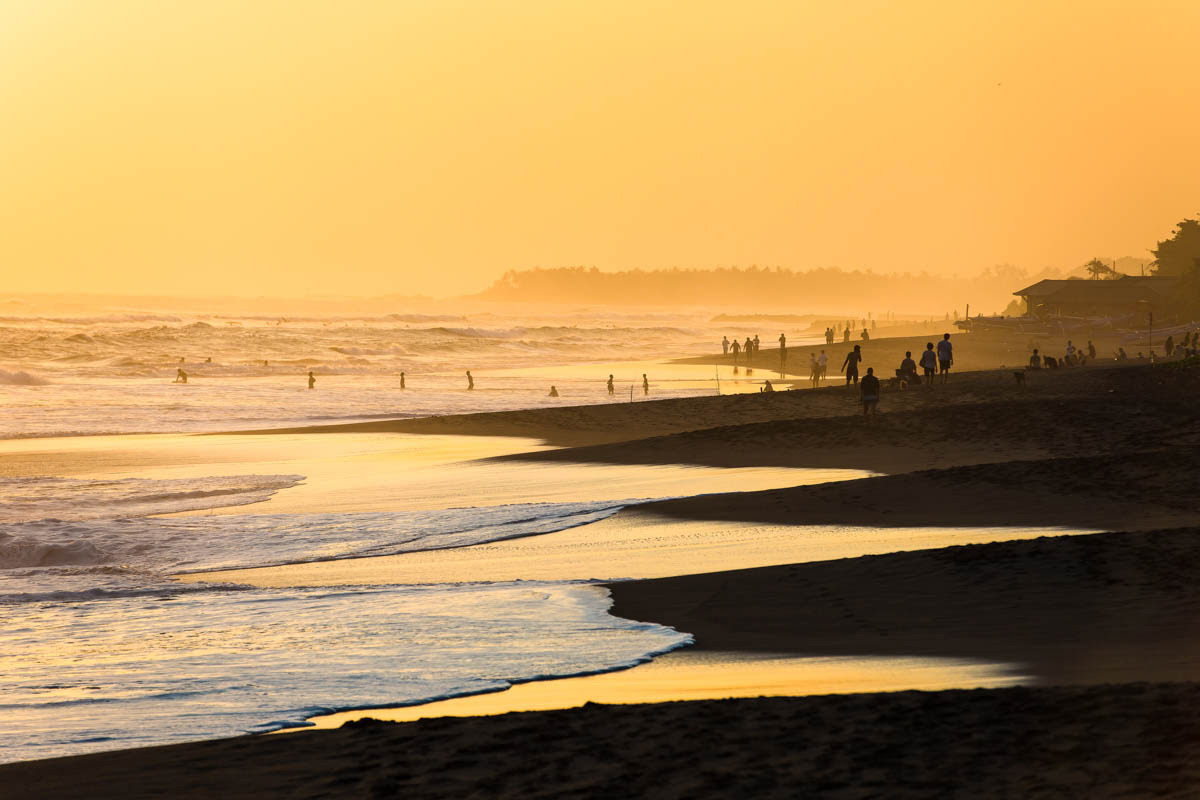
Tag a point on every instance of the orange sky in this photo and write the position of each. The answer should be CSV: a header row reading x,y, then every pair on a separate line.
x,y
354,147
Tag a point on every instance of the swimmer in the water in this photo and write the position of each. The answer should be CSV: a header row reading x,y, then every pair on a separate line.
x,y
311,380
554,391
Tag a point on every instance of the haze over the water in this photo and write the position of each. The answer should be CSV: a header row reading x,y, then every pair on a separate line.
x,y
426,147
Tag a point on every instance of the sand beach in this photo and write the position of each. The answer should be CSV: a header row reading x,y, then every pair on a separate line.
x,y
1025,557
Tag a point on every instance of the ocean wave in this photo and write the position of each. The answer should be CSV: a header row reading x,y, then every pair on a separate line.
x,y
58,500
21,378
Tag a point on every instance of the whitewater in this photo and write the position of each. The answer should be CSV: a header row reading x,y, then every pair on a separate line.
x,y
103,649
115,373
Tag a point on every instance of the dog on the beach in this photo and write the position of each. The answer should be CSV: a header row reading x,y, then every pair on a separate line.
x,y
1019,374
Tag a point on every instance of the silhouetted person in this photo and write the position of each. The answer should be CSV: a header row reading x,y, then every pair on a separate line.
x,y
846,334
554,391
945,355
850,365
908,368
756,344
736,348
870,392
402,386
180,376
929,363
1169,345
829,336
823,362
866,337
814,370
782,352
767,387
1121,356
725,345
748,349
1035,361
470,381
645,384
611,390
1070,350
311,380
1091,349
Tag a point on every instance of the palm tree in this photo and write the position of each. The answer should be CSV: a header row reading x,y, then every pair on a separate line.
x,y
1098,269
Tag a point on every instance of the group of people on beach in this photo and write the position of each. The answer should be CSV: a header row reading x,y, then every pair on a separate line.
x,y
750,348
865,335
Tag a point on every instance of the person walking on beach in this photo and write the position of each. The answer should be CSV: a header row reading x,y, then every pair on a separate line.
x,y
945,355
611,390
402,380
645,384
846,333
748,349
866,337
1070,350
870,392
829,335
756,344
782,353
1035,360
470,381
814,370
850,365
929,363
724,345
1169,346
312,381
1091,350
823,362
736,348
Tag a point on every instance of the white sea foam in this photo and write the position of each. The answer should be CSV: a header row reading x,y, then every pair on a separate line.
x,y
102,649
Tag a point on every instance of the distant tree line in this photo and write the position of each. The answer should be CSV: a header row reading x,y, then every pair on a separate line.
x,y
758,287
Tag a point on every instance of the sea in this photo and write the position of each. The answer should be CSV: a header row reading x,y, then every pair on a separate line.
x,y
102,648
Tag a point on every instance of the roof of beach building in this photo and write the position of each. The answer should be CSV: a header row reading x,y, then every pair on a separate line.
x,y
1129,288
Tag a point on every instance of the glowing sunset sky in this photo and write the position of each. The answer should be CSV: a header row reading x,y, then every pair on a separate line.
x,y
248,146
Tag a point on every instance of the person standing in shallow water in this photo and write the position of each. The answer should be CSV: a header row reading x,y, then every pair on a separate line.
x,y
725,345
645,384
402,380
782,354
470,381
850,365
312,381
611,390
